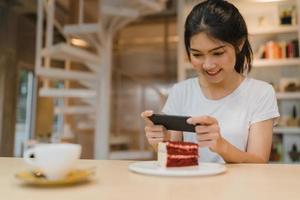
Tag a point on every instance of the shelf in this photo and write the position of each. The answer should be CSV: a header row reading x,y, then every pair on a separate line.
x,y
273,30
288,95
287,130
117,140
276,62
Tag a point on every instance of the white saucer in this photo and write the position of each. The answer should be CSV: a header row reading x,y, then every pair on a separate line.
x,y
152,168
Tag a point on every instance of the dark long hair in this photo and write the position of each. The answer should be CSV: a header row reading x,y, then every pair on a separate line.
x,y
221,20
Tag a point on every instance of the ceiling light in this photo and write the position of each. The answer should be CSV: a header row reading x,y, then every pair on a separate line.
x,y
79,42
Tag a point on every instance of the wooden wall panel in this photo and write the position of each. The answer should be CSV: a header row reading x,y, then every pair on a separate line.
x,y
8,80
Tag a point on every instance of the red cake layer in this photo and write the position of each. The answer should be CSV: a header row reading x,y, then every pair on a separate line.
x,y
182,148
181,161
182,154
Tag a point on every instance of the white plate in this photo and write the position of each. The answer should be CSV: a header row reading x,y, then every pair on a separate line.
x,y
152,168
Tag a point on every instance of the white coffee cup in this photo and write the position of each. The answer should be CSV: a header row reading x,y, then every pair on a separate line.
x,y
54,160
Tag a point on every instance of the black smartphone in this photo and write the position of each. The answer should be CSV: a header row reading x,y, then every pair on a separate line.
x,y
172,122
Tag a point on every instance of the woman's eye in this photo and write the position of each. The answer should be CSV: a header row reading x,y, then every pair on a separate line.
x,y
197,55
218,53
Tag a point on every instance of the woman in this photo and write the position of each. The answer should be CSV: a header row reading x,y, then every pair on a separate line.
x,y
236,113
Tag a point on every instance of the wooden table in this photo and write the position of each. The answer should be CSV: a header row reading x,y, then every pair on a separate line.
x,y
115,182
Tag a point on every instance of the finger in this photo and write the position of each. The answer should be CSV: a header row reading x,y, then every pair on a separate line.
x,y
206,143
155,128
154,134
145,116
202,129
207,136
204,120
147,113
167,136
207,129
155,140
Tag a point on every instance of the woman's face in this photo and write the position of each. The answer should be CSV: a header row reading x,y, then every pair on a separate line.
x,y
213,59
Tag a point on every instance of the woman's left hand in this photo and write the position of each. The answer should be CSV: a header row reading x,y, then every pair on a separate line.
x,y
208,133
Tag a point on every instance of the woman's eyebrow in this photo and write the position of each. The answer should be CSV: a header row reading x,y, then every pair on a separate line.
x,y
219,47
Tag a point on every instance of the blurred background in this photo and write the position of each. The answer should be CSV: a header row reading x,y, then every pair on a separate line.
x,y
82,71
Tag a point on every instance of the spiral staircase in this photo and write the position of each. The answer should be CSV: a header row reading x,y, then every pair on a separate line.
x,y
82,63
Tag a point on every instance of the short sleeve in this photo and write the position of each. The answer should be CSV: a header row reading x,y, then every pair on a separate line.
x,y
265,106
171,106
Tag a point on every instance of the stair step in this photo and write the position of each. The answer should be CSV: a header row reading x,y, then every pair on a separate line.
x,y
63,74
132,8
64,51
75,110
79,29
88,84
119,11
85,125
71,93
93,67
89,101
151,6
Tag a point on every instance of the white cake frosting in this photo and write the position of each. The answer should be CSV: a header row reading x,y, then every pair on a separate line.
x,y
162,154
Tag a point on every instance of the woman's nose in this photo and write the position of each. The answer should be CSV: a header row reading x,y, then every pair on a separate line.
x,y
208,64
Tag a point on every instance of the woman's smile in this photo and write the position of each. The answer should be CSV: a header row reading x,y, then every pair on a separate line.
x,y
213,72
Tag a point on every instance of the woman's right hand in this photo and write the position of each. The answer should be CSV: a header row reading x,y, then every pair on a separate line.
x,y
154,133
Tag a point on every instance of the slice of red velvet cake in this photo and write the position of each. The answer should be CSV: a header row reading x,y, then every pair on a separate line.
x,y
177,154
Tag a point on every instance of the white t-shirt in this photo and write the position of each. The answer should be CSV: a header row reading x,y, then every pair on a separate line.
x,y
253,101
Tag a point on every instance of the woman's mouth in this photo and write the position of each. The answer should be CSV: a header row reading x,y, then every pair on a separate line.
x,y
213,72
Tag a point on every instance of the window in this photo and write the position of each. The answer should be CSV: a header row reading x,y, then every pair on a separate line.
x,y
24,107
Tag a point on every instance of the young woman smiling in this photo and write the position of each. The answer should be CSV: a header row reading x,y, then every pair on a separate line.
x,y
234,114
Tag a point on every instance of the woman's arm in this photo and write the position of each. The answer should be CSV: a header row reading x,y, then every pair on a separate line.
x,y
259,141
258,148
